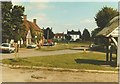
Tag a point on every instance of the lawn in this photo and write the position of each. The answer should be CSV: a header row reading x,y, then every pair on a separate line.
x,y
82,60
62,46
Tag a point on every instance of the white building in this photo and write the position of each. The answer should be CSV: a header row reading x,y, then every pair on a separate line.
x,y
74,35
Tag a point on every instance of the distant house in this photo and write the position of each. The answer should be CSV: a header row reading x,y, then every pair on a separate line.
x,y
59,36
34,34
74,35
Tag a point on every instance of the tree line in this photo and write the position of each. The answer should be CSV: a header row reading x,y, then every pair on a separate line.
x,y
49,34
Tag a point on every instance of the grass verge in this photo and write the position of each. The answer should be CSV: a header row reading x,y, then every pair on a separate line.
x,y
62,46
88,60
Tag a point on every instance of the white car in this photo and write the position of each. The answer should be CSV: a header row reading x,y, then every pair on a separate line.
x,y
7,47
32,46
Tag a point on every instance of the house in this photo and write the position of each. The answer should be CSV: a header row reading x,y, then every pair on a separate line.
x,y
59,36
34,33
74,35
110,32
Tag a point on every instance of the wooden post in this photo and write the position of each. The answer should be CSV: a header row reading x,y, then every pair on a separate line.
x,y
84,50
111,51
16,50
107,53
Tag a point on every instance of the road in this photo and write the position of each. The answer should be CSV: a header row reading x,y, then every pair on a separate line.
x,y
32,52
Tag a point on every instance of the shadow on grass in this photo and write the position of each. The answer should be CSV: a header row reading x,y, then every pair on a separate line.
x,y
95,62
19,60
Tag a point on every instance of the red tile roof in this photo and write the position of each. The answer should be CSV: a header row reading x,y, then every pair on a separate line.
x,y
29,24
59,34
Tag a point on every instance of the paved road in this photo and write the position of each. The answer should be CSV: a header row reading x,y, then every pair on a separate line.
x,y
33,52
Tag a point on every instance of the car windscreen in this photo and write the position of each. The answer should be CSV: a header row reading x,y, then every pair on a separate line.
x,y
5,45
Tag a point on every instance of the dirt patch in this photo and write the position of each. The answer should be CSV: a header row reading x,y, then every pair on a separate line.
x,y
28,75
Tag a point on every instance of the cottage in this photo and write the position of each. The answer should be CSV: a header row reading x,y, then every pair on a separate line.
x,y
34,34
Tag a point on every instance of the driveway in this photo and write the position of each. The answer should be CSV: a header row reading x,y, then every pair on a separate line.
x,y
32,52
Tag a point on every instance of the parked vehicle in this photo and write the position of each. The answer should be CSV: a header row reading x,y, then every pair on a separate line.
x,y
48,44
7,47
97,47
31,46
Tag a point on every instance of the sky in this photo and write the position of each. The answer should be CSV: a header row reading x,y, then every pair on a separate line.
x,y
63,16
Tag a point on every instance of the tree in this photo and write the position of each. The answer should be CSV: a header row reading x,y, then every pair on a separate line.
x,y
95,32
85,35
6,20
104,16
12,23
95,39
17,22
79,32
48,34
68,37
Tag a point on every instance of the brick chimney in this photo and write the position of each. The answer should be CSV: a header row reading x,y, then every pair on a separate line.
x,y
25,17
34,20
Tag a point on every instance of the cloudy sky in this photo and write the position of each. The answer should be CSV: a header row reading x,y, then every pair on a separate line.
x,y
64,15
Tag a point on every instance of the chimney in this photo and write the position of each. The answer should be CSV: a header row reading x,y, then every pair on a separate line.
x,y
25,17
34,20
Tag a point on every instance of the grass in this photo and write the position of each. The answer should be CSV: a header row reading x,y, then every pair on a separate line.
x,y
88,60
62,46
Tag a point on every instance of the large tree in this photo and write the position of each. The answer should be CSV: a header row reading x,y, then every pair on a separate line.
x,y
6,20
85,35
104,16
17,22
12,23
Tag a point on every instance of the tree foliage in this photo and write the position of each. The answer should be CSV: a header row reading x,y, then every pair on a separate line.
x,y
68,37
12,23
17,22
48,33
6,20
95,32
104,16
85,35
